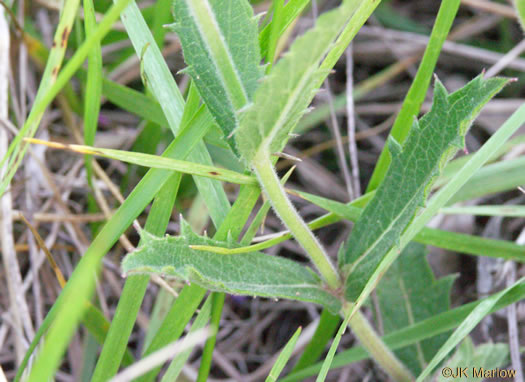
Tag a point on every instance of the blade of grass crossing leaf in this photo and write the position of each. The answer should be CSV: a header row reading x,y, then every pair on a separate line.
x,y
283,358
163,298
178,362
18,149
418,89
496,177
442,323
443,196
167,93
248,195
69,305
474,318
135,287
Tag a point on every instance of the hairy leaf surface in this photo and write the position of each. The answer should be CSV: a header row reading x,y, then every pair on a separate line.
x,y
221,47
284,95
408,294
252,274
431,143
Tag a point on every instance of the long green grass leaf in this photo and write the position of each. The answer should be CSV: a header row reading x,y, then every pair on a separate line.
x,y
155,161
431,143
291,10
283,358
178,362
328,324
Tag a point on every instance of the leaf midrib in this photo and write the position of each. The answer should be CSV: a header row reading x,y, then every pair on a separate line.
x,y
211,34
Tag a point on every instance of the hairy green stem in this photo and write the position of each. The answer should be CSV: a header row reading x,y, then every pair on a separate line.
x,y
283,207
376,347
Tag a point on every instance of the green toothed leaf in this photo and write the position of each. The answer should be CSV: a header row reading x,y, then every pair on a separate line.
x,y
408,294
252,274
284,95
221,47
433,140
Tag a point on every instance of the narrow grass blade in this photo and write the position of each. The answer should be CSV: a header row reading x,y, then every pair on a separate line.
x,y
217,303
16,150
178,362
431,143
325,367
500,210
474,318
325,331
274,32
283,358
418,89
134,102
453,241
165,90
93,85
155,161
292,9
